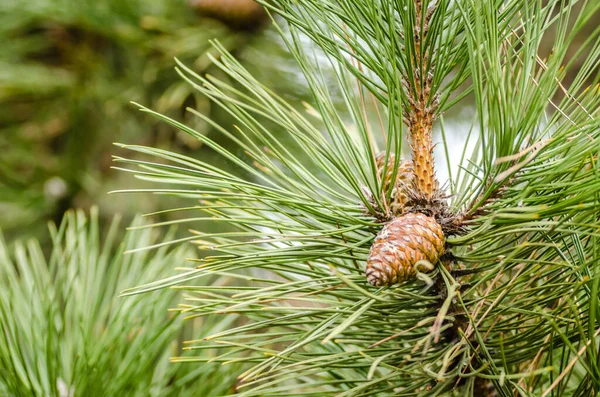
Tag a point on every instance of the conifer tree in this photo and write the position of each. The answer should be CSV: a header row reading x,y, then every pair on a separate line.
x,y
353,270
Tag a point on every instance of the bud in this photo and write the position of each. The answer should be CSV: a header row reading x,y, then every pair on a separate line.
x,y
402,243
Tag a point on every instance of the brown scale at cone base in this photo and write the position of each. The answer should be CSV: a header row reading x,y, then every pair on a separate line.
x,y
402,243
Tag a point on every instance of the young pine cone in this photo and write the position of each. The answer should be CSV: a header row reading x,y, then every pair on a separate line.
x,y
402,243
404,177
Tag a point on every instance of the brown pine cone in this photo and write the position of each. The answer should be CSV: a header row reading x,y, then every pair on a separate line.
x,y
404,177
402,243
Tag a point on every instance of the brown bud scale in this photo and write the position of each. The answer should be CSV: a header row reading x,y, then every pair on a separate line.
x,y
402,243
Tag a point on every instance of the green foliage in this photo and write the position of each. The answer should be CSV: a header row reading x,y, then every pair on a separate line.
x,y
68,70
518,309
65,331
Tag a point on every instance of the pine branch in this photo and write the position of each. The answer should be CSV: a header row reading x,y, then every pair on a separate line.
x,y
511,299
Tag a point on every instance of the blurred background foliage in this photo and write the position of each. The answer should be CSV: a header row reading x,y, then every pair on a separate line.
x,y
67,333
68,70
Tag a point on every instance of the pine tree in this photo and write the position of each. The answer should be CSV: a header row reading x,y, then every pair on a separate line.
x,y
352,270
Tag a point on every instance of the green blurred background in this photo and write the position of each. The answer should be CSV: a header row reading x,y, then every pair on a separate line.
x,y
68,70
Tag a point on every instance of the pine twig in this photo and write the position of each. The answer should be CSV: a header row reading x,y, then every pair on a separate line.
x,y
421,112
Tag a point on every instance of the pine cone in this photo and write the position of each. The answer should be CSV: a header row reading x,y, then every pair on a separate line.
x,y
402,243
404,177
